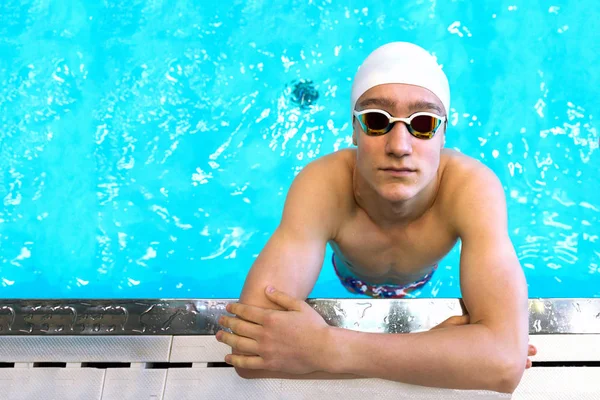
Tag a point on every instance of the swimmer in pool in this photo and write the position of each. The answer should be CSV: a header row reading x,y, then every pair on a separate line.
x,y
391,208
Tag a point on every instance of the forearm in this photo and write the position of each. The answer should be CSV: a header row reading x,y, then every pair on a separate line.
x,y
459,357
255,374
260,373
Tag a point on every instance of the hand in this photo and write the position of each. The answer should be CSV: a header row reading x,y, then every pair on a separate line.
x,y
292,341
465,320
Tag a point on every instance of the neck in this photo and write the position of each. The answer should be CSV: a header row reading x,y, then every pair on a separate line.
x,y
387,213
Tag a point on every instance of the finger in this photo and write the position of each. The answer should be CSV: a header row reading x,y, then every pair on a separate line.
x,y
244,353
238,342
528,364
531,350
247,362
241,327
453,321
249,313
284,300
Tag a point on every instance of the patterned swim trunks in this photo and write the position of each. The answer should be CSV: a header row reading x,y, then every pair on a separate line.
x,y
357,286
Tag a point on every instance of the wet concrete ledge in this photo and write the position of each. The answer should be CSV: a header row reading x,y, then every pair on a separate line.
x,y
199,316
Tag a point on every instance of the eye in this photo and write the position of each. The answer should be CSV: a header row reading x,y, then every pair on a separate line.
x,y
375,121
424,123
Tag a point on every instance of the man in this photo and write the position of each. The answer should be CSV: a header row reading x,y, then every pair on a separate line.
x,y
390,209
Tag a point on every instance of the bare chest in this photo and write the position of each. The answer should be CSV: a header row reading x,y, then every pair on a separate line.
x,y
399,256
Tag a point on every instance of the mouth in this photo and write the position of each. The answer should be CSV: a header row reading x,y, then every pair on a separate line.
x,y
399,171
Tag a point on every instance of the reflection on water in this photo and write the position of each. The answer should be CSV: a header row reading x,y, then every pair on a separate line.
x,y
147,151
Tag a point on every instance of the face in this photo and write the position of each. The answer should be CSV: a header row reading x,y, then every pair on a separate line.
x,y
397,165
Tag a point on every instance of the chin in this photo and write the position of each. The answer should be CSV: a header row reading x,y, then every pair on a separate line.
x,y
398,192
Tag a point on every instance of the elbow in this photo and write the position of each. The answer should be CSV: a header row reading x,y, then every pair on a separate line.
x,y
509,375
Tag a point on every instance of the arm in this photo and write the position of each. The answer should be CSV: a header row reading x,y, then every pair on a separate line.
x,y
489,353
292,258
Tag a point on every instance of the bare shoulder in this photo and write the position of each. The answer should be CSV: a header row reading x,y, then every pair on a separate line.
x,y
468,189
321,195
458,167
343,160
332,172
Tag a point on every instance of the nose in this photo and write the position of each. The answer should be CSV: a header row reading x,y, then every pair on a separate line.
x,y
399,141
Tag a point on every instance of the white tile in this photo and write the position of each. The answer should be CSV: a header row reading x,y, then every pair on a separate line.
x,y
197,349
223,383
566,347
51,383
559,383
85,348
134,384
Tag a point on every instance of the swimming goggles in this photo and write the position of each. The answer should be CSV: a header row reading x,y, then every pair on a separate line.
x,y
422,125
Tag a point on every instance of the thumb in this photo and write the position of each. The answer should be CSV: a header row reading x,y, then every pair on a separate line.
x,y
282,299
454,321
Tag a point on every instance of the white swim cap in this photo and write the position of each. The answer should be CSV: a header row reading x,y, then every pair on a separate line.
x,y
401,62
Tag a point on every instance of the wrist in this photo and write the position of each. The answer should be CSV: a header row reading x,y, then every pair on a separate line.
x,y
333,349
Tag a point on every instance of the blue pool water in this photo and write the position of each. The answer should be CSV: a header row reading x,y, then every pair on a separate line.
x,y
146,147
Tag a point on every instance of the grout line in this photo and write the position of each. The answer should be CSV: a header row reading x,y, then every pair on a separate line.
x,y
164,388
170,352
103,385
